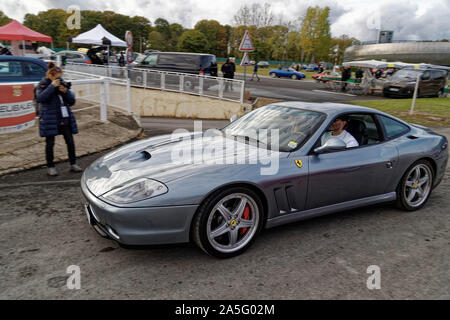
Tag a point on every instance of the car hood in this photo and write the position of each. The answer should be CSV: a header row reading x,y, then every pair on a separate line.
x,y
161,158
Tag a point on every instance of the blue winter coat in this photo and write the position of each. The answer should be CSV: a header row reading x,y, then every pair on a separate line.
x,y
49,104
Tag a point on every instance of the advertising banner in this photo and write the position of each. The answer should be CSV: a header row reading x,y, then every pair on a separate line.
x,y
17,110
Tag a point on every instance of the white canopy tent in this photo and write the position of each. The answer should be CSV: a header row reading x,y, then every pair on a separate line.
x,y
96,36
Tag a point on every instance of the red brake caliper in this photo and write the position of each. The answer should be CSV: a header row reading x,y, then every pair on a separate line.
x,y
245,216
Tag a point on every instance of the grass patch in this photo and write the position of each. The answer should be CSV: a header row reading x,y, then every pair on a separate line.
x,y
432,112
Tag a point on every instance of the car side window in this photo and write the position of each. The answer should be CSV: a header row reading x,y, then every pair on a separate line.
x,y
436,74
392,127
426,75
364,129
33,69
11,69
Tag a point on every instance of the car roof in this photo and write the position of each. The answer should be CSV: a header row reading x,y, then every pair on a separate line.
x,y
184,53
20,58
328,108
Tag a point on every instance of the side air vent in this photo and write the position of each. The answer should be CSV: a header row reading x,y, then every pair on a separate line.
x,y
285,198
146,154
412,137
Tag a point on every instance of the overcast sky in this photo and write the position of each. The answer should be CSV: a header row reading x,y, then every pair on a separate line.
x,y
410,19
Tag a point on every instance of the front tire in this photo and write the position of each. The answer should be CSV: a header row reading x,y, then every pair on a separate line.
x,y
415,187
294,77
228,222
273,75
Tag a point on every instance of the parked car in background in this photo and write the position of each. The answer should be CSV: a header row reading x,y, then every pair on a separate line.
x,y
311,67
263,64
327,76
402,83
180,62
183,62
21,69
72,56
286,72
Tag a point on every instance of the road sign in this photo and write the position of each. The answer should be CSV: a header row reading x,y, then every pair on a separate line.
x,y
129,39
245,62
246,43
130,56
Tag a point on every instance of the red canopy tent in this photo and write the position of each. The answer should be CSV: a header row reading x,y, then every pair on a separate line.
x,y
15,31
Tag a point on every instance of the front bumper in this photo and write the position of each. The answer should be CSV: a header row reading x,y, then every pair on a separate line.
x,y
398,91
138,226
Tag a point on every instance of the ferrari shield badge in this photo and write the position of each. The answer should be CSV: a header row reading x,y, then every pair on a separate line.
x,y
299,163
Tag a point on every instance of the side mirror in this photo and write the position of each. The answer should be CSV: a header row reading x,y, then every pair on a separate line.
x,y
425,77
233,118
333,144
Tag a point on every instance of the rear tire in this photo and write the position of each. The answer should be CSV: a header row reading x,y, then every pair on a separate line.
x,y
273,75
415,186
228,221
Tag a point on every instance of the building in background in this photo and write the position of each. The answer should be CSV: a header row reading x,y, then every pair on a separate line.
x,y
437,53
385,36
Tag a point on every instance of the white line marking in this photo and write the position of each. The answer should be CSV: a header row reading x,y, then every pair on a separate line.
x,y
18,185
344,94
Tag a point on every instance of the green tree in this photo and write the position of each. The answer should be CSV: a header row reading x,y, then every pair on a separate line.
x,y
340,44
193,41
315,36
163,27
4,19
216,35
157,41
176,30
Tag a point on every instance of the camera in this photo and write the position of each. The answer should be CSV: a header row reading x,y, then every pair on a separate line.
x,y
65,84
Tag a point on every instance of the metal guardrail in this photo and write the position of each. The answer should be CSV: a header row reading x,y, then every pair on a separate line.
x,y
206,86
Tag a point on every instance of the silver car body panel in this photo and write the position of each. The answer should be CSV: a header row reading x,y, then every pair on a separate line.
x,y
324,183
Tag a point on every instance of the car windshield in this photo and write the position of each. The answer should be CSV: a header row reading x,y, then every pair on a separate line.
x,y
406,74
293,126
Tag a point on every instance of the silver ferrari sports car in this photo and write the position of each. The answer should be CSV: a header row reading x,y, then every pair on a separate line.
x,y
280,163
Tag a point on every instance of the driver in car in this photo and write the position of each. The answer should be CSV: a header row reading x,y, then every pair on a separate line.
x,y
337,130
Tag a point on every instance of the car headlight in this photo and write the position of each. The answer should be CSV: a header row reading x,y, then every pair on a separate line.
x,y
137,190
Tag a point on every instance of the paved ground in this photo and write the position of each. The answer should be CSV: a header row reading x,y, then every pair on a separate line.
x,y
25,149
43,230
303,90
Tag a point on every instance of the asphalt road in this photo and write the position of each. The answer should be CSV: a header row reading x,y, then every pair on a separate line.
x,y
302,90
43,231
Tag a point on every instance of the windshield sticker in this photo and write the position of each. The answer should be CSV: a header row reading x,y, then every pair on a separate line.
x,y
292,144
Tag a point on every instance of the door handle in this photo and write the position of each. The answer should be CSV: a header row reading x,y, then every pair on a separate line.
x,y
389,164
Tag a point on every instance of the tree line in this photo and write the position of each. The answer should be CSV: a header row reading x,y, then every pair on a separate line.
x,y
306,40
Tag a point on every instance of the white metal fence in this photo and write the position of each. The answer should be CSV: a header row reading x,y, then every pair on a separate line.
x,y
100,91
213,87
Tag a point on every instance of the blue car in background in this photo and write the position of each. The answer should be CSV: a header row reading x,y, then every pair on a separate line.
x,y
21,69
286,72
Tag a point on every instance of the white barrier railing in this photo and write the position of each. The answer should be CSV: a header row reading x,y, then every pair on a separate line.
x,y
213,87
101,97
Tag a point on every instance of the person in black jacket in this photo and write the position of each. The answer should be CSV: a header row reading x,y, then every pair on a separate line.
x,y
228,73
346,75
255,71
55,116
